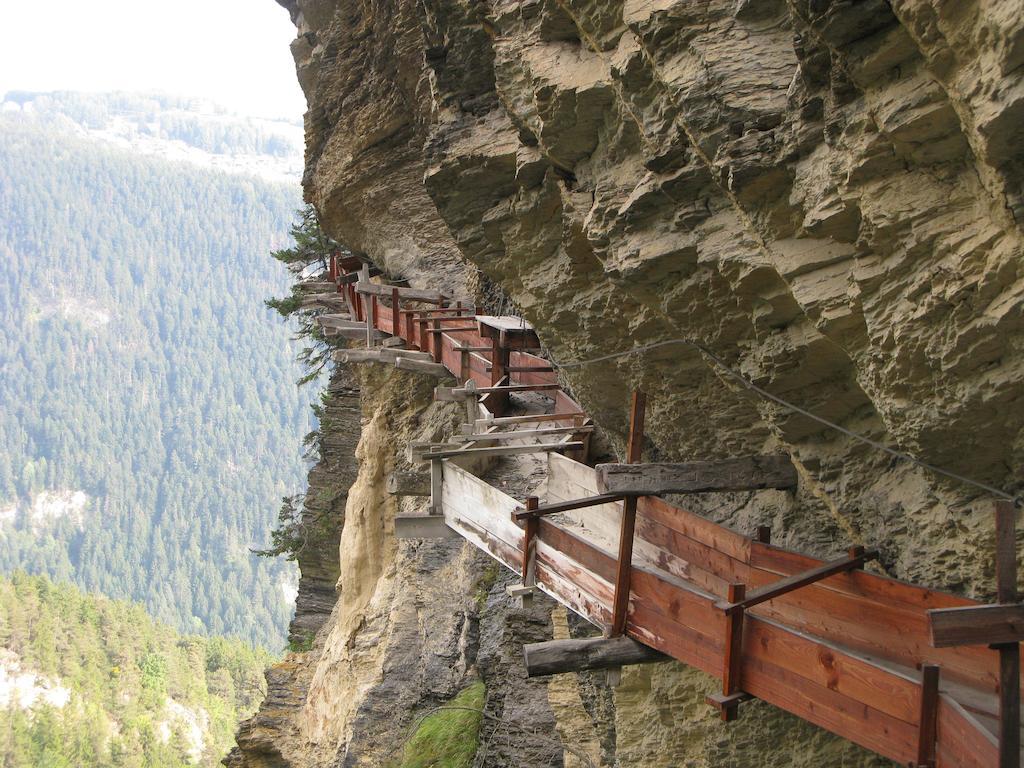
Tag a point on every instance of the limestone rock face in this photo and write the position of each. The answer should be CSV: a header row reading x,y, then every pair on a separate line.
x,y
827,195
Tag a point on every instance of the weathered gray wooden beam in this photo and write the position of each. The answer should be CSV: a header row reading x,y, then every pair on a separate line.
x,y
409,484
358,356
411,294
555,656
500,450
523,434
393,355
422,366
340,321
748,473
423,527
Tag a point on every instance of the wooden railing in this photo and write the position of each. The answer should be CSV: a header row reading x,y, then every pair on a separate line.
x,y
844,649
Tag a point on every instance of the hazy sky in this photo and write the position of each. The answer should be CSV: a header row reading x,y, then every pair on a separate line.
x,y
232,51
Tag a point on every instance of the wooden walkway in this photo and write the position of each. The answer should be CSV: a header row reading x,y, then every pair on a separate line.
x,y
850,653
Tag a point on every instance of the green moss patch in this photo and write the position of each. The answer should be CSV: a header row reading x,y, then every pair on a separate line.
x,y
448,738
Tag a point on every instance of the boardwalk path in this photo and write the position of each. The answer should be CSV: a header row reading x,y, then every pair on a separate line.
x,y
844,653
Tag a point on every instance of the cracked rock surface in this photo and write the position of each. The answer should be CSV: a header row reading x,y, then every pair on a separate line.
x,y
827,194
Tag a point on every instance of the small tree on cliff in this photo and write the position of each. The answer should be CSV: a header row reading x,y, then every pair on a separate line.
x,y
307,258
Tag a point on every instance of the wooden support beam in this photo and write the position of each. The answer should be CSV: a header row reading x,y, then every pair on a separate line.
x,y
526,434
436,486
527,419
470,348
499,450
530,533
457,329
409,294
976,625
763,534
457,393
525,369
855,559
422,366
358,356
742,474
394,355
445,318
393,342
565,506
354,334
557,656
408,484
634,447
423,527
927,726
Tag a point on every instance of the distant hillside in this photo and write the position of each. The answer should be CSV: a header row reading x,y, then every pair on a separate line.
x,y
87,682
174,128
149,424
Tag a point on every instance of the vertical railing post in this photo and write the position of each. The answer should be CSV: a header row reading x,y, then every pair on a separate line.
x,y
634,447
928,718
396,326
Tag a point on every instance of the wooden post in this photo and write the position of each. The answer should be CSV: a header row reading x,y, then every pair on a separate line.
x,y
436,480
733,658
437,341
634,447
396,314
1009,653
530,544
927,728
499,362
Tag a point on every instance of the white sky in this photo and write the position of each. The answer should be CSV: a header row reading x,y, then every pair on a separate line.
x,y
234,52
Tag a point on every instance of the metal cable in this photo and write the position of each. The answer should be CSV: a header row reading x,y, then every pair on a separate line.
x,y
722,365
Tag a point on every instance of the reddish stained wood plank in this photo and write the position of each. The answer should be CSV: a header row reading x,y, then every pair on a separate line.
x,y
858,583
962,741
681,642
698,528
720,565
833,668
851,719
518,359
875,628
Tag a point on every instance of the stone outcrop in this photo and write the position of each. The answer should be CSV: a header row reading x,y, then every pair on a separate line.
x,y
826,194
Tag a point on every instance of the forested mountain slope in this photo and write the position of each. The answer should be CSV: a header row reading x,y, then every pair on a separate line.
x,y
87,682
149,421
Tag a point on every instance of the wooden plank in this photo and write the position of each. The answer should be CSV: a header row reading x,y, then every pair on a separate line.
x,y
831,666
575,655
525,434
962,741
499,450
408,484
392,355
856,559
526,419
423,527
358,356
741,474
420,366
976,625
829,709
507,323
625,561
409,294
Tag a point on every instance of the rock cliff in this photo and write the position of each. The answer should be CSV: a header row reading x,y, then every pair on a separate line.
x,y
826,194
